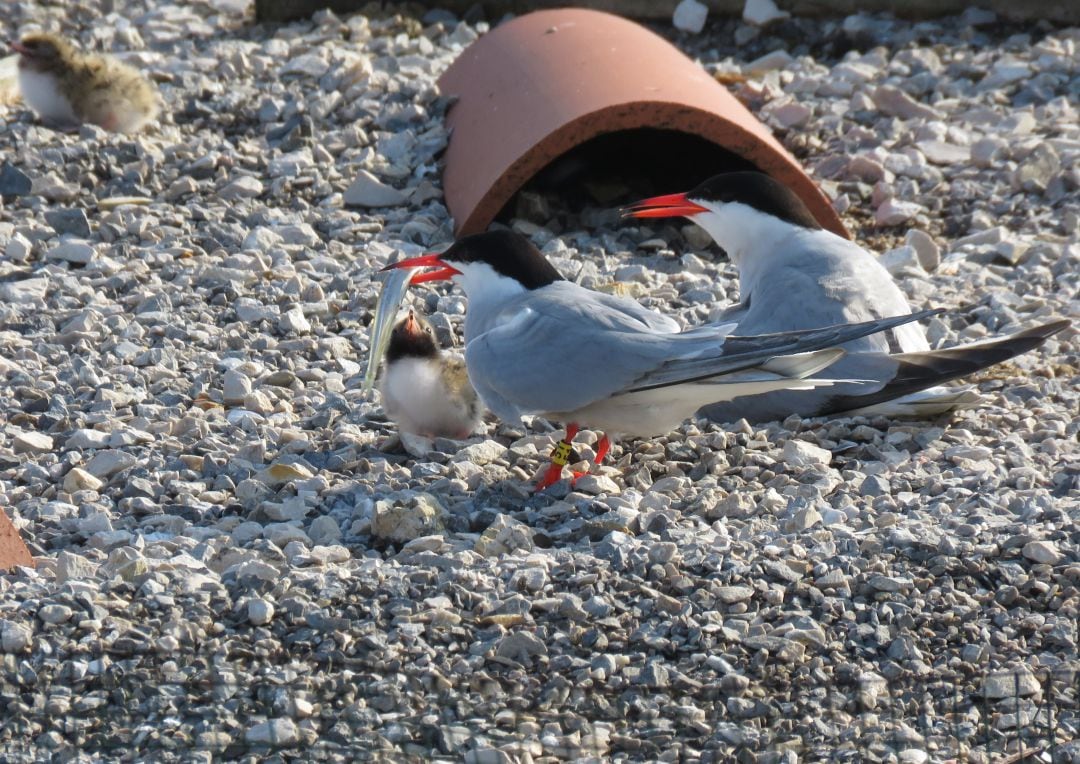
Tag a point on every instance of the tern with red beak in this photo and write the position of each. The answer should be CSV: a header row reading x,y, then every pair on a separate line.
x,y
537,344
425,389
793,274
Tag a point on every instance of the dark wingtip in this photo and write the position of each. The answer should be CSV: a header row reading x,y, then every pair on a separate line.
x,y
949,363
891,322
922,370
1047,330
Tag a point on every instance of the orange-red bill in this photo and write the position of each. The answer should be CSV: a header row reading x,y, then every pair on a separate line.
x,y
442,271
668,206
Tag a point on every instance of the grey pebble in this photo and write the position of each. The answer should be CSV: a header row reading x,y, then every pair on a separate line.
x,y
260,612
69,221
368,191
277,733
13,181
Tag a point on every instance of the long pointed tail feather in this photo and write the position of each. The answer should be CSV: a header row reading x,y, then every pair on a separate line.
x,y
919,371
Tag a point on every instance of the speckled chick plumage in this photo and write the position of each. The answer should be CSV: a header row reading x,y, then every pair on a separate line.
x,y
424,389
67,87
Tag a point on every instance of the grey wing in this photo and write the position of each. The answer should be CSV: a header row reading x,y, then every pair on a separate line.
x,y
538,362
735,313
562,350
649,318
737,353
834,281
609,311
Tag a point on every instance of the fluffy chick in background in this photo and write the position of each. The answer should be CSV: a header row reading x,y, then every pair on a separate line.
x,y
67,87
424,390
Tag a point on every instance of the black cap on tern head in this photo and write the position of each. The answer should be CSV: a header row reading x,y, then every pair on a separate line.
x,y
757,190
510,254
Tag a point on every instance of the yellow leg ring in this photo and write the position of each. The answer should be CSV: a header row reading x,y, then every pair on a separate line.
x,y
560,455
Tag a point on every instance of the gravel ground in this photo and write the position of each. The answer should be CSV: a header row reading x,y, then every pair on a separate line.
x,y
235,562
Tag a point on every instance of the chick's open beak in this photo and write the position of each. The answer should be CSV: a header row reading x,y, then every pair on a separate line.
x,y
669,206
412,326
442,271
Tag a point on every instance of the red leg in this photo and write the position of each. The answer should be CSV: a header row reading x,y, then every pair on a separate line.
x,y
560,455
601,451
551,477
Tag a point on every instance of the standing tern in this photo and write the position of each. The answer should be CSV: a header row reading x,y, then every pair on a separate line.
x,y
425,389
537,344
793,274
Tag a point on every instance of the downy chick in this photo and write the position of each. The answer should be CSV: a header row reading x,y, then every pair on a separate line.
x,y
425,390
67,87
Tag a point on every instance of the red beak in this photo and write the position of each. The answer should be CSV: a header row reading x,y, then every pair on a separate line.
x,y
668,206
442,273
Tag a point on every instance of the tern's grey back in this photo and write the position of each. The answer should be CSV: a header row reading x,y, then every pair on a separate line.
x,y
820,279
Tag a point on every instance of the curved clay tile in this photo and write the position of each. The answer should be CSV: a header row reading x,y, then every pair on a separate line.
x,y
13,550
539,85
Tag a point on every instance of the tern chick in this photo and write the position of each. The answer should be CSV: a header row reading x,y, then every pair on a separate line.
x,y
424,389
67,87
